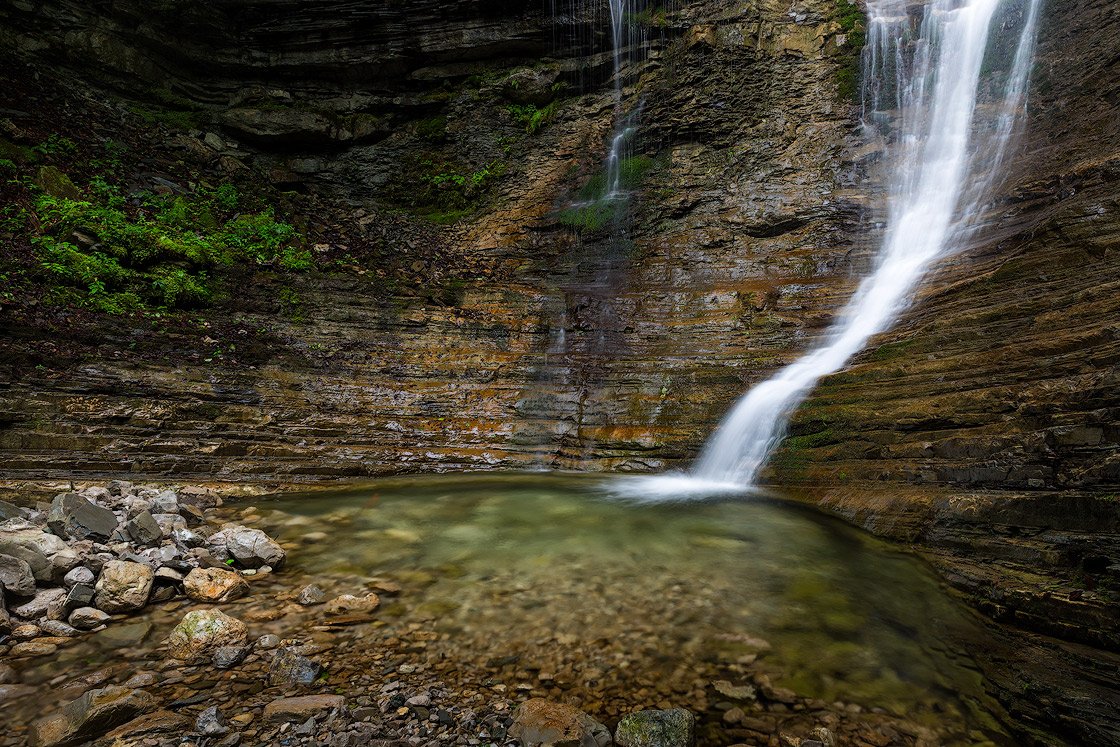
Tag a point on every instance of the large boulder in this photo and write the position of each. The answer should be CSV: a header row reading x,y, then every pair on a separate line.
x,y
215,585
90,716
542,723
251,548
16,576
201,632
144,529
674,727
123,586
73,517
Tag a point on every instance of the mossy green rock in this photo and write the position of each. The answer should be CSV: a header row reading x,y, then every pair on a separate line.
x,y
201,632
674,727
55,183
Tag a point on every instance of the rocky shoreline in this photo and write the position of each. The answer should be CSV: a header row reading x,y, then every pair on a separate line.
x,y
259,653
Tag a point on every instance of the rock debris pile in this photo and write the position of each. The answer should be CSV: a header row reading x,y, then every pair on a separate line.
x,y
92,556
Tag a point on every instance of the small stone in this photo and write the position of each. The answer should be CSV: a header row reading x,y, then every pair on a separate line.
x,y
142,679
735,692
116,637
9,511
124,586
734,716
201,632
87,618
8,675
16,576
78,575
90,716
25,632
143,529
268,642
291,668
423,700
348,604
211,723
310,595
74,517
228,657
542,722
119,487
215,585
303,707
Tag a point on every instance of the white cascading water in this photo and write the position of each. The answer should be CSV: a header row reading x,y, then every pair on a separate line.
x,y
945,151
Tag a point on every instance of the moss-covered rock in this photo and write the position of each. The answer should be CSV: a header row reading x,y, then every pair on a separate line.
x,y
674,727
203,631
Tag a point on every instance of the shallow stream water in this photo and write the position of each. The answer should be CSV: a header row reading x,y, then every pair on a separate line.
x,y
547,585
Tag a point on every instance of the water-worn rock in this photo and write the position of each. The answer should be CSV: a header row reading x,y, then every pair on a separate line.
x,y
9,511
87,618
159,722
301,707
34,648
57,628
5,618
90,716
74,517
291,668
215,585
310,595
201,632
251,548
674,727
543,722
348,604
16,576
124,586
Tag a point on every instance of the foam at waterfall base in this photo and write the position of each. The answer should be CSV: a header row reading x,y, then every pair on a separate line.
x,y
673,487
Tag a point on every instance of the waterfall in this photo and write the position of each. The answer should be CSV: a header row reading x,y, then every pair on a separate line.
x,y
944,154
948,122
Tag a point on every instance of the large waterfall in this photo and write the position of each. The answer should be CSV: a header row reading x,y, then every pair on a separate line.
x,y
946,91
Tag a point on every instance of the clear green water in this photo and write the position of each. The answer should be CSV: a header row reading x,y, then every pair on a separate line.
x,y
829,612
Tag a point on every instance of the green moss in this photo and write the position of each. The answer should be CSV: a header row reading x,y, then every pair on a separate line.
x,y
591,217
531,116
893,350
851,20
433,128
99,250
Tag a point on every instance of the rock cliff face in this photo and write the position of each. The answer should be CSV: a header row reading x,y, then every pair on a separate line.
x,y
541,340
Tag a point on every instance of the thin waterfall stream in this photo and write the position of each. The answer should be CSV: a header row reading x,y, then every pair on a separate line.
x,y
948,122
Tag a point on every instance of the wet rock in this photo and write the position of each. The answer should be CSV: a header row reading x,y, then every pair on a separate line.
x,y
122,636
58,628
348,604
214,585
291,668
159,722
674,727
87,618
735,692
124,586
33,648
37,607
8,675
211,723
542,722
74,517
302,707
78,575
143,529
228,657
310,595
25,632
268,642
201,632
16,576
5,618
9,511
90,716
251,548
